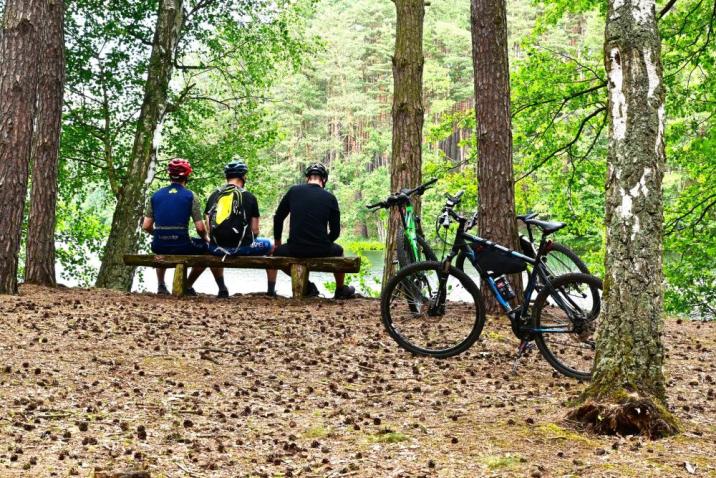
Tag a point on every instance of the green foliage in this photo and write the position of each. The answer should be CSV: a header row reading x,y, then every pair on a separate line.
x,y
286,83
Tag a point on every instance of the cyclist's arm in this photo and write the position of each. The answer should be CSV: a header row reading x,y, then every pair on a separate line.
x,y
148,221
148,225
278,218
198,220
201,230
334,222
254,214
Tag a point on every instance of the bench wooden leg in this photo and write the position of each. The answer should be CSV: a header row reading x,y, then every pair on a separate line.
x,y
179,285
299,279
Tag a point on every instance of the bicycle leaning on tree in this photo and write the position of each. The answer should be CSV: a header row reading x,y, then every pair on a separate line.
x,y
433,308
411,246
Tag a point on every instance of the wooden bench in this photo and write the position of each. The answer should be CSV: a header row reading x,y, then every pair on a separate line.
x,y
299,267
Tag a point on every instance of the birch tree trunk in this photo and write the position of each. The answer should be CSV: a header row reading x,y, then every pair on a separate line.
x,y
22,27
628,389
40,261
496,193
124,234
408,112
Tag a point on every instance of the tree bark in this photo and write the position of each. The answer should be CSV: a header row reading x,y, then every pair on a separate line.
x,y
628,391
124,234
496,194
40,261
408,112
22,27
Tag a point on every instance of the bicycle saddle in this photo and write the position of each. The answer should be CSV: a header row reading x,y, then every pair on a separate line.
x,y
546,226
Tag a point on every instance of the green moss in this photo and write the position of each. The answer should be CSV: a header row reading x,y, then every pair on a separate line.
x,y
556,432
318,431
388,436
498,462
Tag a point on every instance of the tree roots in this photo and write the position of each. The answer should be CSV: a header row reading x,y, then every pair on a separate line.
x,y
628,415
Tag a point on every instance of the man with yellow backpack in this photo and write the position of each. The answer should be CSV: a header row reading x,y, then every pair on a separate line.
x,y
232,214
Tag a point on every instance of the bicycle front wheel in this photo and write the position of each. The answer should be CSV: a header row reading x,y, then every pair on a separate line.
x,y
565,317
404,250
431,312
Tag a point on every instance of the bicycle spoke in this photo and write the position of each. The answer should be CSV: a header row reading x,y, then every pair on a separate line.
x,y
419,316
572,306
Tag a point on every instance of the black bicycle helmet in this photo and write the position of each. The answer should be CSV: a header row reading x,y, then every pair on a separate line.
x,y
317,169
236,169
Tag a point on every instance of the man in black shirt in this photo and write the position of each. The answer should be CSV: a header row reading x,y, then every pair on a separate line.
x,y
315,223
238,233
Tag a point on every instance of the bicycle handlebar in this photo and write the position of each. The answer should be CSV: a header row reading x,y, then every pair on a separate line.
x,y
402,195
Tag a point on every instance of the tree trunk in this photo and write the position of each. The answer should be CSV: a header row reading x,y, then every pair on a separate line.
x,y
496,194
405,164
124,234
628,390
22,27
40,262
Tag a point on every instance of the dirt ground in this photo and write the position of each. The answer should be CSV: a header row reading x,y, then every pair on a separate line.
x,y
96,381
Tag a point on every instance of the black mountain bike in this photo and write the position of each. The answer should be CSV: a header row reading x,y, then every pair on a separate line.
x,y
559,260
433,308
413,247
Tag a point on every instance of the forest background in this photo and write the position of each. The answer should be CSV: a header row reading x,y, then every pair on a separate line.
x,y
295,82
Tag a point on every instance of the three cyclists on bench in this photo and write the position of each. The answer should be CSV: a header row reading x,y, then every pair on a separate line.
x,y
230,224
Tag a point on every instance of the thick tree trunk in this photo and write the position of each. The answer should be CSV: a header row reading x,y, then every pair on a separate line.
x,y
496,194
40,261
408,112
124,234
22,28
628,389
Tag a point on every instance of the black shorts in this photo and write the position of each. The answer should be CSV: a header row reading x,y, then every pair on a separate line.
x,y
292,250
193,246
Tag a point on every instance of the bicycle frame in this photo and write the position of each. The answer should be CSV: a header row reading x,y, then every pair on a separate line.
x,y
463,241
410,228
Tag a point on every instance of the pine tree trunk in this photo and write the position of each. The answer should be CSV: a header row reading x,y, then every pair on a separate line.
x,y
124,234
405,164
40,262
628,389
22,27
496,194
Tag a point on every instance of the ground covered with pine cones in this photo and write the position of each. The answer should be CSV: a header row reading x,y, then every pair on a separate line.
x,y
94,382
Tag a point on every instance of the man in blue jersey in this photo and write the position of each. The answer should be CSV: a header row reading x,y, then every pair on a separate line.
x,y
167,218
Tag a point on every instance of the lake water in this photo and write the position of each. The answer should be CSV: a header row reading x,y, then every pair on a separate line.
x,y
246,281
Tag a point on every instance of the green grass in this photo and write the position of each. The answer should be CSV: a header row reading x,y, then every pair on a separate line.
x,y
360,245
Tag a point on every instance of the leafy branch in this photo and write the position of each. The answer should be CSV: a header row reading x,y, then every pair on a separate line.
x,y
566,146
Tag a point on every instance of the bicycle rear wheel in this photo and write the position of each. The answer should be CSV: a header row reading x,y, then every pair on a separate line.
x,y
565,318
429,312
563,260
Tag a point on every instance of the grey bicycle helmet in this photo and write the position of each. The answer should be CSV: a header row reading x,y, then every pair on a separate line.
x,y
236,169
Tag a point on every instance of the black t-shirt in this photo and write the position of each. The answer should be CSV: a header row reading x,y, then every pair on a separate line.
x,y
251,210
315,217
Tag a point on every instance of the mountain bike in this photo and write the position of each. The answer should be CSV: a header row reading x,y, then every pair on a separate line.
x,y
433,308
411,245
560,259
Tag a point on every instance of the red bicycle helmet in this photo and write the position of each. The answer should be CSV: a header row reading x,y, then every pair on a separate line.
x,y
179,168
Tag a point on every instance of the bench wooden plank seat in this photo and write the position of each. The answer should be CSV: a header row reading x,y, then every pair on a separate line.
x,y
299,267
